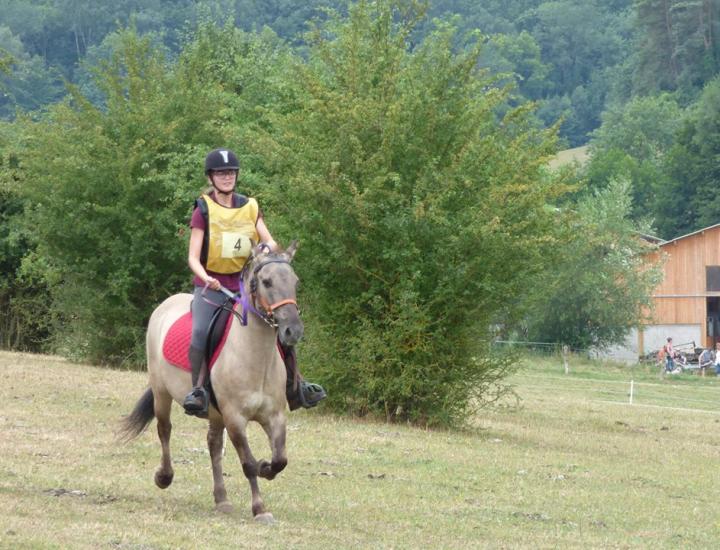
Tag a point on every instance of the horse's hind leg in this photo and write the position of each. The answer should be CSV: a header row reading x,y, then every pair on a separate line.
x,y
164,474
215,445
238,436
275,429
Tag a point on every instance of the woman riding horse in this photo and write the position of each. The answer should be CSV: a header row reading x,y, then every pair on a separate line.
x,y
248,373
224,227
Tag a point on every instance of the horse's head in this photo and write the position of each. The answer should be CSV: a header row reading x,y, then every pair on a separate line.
x,y
274,285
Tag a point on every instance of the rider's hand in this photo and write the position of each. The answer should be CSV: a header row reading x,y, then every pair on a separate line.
x,y
212,283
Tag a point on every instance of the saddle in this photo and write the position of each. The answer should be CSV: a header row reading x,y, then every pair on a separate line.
x,y
177,340
177,344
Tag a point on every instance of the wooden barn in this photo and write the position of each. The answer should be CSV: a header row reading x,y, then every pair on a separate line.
x,y
687,301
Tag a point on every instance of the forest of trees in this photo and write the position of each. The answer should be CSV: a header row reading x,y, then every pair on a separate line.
x,y
406,143
574,57
593,65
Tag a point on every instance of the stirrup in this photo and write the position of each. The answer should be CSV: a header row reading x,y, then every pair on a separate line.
x,y
196,402
307,395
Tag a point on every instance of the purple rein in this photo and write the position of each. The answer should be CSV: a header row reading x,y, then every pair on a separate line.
x,y
244,301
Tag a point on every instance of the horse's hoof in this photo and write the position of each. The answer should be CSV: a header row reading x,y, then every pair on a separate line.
x,y
163,480
224,507
265,470
265,518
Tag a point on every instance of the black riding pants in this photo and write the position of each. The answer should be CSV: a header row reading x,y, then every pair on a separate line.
x,y
203,307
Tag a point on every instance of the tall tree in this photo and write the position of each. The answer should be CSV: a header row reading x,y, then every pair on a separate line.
x,y
26,82
595,290
633,144
678,44
692,167
578,40
108,189
24,308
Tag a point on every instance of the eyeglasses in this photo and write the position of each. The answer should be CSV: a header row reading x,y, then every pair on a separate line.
x,y
225,173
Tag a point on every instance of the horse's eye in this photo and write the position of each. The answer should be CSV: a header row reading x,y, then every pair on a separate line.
x,y
267,283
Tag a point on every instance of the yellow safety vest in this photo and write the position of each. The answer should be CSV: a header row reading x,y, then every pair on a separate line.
x,y
231,235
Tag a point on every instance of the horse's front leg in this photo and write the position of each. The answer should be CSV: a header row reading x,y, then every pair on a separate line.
x,y
215,446
238,435
275,428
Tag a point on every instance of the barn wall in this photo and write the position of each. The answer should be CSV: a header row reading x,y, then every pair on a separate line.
x,y
654,337
626,352
685,266
686,260
679,310
681,298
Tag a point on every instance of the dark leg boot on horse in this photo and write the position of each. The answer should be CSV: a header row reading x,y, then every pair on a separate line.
x,y
196,402
298,391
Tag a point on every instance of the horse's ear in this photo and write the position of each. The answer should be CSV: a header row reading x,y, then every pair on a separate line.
x,y
290,250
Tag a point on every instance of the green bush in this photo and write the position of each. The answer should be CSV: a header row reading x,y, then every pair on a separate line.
x,y
108,190
421,210
24,305
420,213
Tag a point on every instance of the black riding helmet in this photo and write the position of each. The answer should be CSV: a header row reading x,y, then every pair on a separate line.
x,y
221,159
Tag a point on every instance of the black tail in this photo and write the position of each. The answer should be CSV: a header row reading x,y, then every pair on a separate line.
x,y
136,422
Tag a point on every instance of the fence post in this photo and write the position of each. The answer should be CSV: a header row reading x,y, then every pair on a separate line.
x,y
632,388
565,351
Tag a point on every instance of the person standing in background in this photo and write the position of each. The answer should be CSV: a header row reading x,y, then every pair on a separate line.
x,y
705,360
669,355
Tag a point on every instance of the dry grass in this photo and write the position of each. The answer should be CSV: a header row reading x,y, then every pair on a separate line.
x,y
569,156
566,470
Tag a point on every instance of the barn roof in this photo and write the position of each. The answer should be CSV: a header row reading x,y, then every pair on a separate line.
x,y
690,234
651,238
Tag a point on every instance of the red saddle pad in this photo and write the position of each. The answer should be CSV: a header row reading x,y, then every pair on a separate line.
x,y
177,342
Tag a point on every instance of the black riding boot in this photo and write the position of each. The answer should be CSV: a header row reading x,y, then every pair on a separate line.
x,y
299,392
196,402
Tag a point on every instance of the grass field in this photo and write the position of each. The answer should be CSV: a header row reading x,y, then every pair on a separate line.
x,y
573,466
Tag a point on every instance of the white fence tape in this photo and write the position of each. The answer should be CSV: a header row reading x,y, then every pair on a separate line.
x,y
683,397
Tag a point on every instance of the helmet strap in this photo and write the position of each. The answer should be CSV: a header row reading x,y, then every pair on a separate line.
x,y
223,192
228,193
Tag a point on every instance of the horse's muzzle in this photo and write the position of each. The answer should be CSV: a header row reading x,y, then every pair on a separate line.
x,y
290,333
